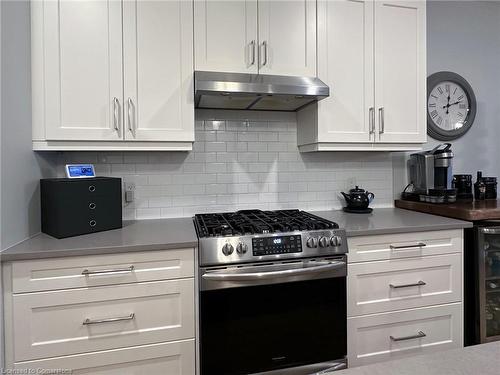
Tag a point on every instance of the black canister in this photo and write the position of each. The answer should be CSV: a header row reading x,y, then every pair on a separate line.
x,y
463,184
491,187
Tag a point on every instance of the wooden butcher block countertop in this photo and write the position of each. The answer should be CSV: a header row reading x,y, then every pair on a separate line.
x,y
470,211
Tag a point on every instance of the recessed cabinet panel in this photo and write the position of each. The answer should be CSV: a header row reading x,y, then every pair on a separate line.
x,y
400,71
83,70
158,65
287,37
226,36
345,64
172,358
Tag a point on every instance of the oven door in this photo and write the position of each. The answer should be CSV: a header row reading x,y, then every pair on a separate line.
x,y
268,318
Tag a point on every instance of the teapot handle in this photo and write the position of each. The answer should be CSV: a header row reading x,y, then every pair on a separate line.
x,y
370,196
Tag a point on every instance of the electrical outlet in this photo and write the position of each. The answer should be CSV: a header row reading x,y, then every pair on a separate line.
x,y
129,192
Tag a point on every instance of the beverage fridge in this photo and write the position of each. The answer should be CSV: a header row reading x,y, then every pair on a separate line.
x,y
482,283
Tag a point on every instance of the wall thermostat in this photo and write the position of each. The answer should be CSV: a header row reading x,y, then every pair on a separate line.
x,y
80,170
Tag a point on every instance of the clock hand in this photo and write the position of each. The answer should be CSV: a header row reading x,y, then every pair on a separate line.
x,y
449,105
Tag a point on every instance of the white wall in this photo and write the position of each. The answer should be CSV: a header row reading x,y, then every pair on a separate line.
x,y
21,169
241,163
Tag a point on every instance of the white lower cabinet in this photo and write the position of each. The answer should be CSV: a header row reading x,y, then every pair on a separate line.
x,y
158,359
405,294
379,337
142,322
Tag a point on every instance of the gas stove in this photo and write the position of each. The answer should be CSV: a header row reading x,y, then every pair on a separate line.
x,y
263,236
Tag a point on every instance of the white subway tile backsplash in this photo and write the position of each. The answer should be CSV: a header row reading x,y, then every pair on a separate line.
x,y
240,164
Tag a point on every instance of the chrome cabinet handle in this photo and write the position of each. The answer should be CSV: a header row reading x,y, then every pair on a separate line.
x,y
381,120
323,267
89,321
371,120
420,244
86,272
252,45
116,105
131,123
264,44
419,283
419,335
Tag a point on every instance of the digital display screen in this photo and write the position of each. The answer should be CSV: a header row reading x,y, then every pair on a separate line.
x,y
80,171
277,245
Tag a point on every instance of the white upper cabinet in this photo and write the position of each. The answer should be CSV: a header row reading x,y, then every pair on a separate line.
x,y
372,55
256,36
112,75
83,70
158,70
226,36
287,37
346,26
400,71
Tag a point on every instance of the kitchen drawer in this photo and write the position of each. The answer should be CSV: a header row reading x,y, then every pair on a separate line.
x,y
404,245
403,283
173,358
48,324
369,337
63,273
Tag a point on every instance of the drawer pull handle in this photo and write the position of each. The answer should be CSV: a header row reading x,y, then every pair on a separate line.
x,y
420,244
419,335
92,206
92,223
89,321
91,188
101,272
419,283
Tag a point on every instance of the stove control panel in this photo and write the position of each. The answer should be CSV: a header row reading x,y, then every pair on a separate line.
x,y
277,245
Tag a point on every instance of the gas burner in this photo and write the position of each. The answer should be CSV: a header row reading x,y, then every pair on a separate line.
x,y
249,222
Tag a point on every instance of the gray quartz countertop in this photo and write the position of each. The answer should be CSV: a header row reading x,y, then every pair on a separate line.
x,y
473,360
390,220
176,233
162,234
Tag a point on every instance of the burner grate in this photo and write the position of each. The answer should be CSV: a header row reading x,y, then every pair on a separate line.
x,y
258,222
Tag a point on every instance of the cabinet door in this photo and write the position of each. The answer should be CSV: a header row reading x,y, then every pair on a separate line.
x,y
345,64
287,37
225,34
400,71
83,70
158,70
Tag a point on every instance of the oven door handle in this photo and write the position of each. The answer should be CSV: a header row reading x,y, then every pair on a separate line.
x,y
322,267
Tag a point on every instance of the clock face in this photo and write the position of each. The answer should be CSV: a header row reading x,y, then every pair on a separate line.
x,y
448,106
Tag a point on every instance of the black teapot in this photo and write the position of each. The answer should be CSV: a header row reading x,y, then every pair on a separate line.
x,y
358,199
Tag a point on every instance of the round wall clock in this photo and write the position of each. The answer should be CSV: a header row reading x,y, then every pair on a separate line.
x,y
451,106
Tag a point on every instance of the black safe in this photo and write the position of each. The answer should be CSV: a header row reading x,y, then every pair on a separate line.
x,y
71,207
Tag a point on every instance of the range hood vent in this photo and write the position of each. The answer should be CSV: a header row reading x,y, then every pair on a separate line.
x,y
258,92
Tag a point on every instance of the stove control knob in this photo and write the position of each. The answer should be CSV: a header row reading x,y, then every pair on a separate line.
x,y
227,249
323,242
312,242
336,241
241,248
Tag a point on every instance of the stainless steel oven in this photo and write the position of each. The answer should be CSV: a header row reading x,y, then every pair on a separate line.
x,y
282,317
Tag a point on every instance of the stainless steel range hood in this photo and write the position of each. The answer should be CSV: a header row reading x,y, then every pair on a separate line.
x,y
256,91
